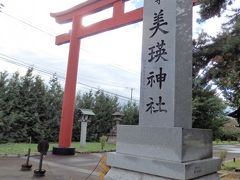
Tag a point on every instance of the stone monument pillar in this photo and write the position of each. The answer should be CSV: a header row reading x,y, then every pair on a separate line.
x,y
164,145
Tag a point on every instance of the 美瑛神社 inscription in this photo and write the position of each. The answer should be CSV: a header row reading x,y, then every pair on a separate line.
x,y
164,145
166,65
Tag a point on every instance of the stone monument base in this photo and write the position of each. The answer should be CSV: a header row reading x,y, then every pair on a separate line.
x,y
170,144
157,153
162,168
116,174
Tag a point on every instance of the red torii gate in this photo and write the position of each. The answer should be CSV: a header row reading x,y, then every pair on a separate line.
x,y
75,15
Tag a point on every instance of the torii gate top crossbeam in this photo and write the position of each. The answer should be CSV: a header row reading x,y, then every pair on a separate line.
x,y
85,8
118,19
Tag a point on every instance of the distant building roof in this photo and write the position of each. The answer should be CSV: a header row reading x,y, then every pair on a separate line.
x,y
87,112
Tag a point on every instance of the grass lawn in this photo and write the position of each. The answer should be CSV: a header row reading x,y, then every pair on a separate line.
x,y
22,148
231,165
226,142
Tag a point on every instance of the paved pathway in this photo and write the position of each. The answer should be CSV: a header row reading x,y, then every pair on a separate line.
x,y
76,167
233,151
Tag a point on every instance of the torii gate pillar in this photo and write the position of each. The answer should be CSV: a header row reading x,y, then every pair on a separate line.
x,y
75,15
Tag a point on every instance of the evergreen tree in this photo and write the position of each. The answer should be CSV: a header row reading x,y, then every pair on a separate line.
x,y
29,108
3,106
210,8
25,110
16,127
38,125
131,114
53,109
32,105
86,101
207,110
104,107
219,56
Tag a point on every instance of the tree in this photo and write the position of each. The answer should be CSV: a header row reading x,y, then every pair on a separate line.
x,y
86,101
14,114
222,58
207,110
104,107
38,125
219,56
3,106
26,107
53,109
29,112
210,8
131,114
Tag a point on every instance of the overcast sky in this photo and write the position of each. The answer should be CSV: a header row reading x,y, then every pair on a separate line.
x,y
110,61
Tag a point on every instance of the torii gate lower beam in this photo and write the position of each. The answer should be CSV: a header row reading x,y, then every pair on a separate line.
x,y
75,15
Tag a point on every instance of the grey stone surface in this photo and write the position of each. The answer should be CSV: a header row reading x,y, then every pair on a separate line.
x,y
167,169
197,144
172,144
121,174
176,90
83,133
183,65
